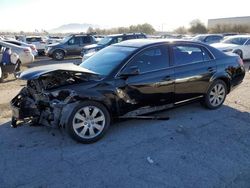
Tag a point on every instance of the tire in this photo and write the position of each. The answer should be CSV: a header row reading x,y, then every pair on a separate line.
x,y
239,53
88,122
17,69
215,95
58,55
1,75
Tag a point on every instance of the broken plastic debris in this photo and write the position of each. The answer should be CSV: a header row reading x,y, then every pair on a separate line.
x,y
150,160
179,129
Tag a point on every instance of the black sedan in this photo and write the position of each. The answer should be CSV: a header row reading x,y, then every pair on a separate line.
x,y
128,79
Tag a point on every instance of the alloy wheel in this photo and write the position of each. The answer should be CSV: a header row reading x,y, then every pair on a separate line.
x,y
217,95
88,122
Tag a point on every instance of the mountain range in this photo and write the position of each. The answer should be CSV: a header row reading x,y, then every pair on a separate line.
x,y
73,28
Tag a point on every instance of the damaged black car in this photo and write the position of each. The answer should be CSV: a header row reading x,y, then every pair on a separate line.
x,y
125,80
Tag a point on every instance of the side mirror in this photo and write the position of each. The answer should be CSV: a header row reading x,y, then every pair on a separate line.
x,y
131,71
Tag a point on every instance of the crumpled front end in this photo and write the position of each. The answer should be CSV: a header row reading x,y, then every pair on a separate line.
x,y
40,108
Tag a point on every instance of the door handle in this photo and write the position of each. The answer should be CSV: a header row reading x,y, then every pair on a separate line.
x,y
211,69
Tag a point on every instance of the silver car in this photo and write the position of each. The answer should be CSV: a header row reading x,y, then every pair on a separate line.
x,y
20,43
24,53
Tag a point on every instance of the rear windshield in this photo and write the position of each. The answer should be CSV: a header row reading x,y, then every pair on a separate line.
x,y
34,39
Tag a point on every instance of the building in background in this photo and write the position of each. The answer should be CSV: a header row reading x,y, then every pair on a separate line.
x,y
229,21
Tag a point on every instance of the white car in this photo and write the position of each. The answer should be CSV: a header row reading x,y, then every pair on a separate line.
x,y
20,43
38,41
239,44
24,53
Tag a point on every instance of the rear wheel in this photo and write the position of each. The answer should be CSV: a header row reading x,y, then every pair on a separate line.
x,y
58,55
1,75
88,122
216,95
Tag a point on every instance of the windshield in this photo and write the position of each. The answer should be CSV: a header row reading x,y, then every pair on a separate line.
x,y
107,59
65,39
238,40
105,41
199,38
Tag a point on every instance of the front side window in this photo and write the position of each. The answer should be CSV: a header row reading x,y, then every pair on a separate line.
x,y
248,42
74,41
151,60
186,54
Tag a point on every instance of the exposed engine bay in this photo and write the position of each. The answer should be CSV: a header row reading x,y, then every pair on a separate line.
x,y
41,103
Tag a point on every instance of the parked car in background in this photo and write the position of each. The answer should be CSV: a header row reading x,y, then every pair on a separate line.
x,y
20,43
38,41
239,44
24,53
9,61
108,40
53,39
125,80
70,45
208,38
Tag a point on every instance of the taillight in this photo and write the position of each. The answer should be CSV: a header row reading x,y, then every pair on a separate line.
x,y
240,61
26,50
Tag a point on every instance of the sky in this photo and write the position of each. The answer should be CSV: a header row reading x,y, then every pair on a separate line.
x,y
28,15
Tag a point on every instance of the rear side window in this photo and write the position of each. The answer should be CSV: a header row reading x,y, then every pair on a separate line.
x,y
86,39
248,42
186,54
151,59
34,39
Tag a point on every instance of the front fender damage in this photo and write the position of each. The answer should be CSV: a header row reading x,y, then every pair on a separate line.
x,y
49,109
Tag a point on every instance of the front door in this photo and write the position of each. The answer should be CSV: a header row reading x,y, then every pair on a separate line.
x,y
74,47
153,86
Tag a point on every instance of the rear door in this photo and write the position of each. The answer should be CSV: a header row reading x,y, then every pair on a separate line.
x,y
86,40
194,65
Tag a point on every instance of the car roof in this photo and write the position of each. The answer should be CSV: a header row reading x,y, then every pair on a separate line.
x,y
10,45
138,43
125,34
238,36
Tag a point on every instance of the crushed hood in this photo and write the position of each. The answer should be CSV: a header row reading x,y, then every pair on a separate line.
x,y
36,72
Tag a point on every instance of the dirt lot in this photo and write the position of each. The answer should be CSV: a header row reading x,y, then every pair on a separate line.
x,y
195,148
12,86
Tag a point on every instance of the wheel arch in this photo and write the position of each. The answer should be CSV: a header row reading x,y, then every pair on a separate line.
x,y
68,109
61,49
224,78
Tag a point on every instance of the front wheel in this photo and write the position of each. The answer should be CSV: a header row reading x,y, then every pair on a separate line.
x,y
58,55
216,95
88,122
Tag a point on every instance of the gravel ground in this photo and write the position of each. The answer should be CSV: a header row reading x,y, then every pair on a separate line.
x,y
195,148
